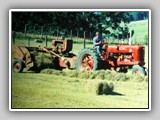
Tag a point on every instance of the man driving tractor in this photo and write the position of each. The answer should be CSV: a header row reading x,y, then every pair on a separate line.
x,y
98,42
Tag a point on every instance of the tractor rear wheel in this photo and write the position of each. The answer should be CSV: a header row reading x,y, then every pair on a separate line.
x,y
137,70
87,59
18,65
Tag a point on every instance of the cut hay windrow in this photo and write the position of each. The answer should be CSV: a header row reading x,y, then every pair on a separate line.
x,y
138,78
84,74
105,75
120,77
52,71
146,78
70,73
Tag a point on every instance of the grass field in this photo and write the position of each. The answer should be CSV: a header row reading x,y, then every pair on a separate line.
x,y
39,90
31,90
140,30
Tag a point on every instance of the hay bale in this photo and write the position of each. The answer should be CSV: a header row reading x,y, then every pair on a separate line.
x,y
111,87
41,60
106,88
94,87
99,87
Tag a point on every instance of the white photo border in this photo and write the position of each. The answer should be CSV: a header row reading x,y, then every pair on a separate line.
x,y
81,10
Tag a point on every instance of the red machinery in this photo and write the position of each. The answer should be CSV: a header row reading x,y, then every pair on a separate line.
x,y
60,54
119,56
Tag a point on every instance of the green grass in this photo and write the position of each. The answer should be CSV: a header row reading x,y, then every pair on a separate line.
x,y
30,90
140,30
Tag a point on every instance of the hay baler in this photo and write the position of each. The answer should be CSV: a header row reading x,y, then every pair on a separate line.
x,y
119,58
60,55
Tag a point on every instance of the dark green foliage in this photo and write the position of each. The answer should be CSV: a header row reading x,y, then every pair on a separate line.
x,y
63,22
134,16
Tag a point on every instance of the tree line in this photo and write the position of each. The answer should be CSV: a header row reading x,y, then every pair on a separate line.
x,y
109,23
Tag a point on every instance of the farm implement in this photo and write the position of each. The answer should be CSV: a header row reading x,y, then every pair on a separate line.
x,y
59,55
119,57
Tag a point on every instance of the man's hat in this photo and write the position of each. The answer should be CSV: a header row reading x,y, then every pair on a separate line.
x,y
97,33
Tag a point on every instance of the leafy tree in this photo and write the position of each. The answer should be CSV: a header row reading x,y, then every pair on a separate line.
x,y
138,16
108,23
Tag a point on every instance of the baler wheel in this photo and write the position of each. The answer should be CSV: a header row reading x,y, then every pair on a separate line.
x,y
18,65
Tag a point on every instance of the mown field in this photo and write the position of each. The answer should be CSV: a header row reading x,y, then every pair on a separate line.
x,y
37,90
56,90
41,90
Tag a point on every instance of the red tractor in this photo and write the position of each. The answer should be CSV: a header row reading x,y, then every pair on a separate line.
x,y
114,57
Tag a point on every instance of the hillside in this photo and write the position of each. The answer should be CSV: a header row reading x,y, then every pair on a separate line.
x,y
140,30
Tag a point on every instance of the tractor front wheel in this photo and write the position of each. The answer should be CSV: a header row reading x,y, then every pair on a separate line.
x,y
18,65
137,70
87,59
